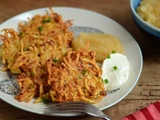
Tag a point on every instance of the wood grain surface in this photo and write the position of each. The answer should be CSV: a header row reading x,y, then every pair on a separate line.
x,y
146,91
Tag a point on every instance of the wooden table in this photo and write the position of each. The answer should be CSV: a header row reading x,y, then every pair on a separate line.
x,y
147,89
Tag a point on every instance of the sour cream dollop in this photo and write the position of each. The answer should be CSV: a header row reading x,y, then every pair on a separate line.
x,y
115,70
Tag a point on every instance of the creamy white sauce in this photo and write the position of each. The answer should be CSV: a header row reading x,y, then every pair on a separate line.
x,y
116,77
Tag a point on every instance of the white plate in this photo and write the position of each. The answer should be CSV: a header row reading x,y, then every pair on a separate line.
x,y
86,21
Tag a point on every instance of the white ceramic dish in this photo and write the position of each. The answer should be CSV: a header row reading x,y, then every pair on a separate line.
x,y
86,21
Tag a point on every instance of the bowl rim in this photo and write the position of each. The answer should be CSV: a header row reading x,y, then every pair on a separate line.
x,y
140,19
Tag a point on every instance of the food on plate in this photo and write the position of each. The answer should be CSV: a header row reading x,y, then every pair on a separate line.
x,y
149,11
115,71
52,66
47,68
78,78
102,44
